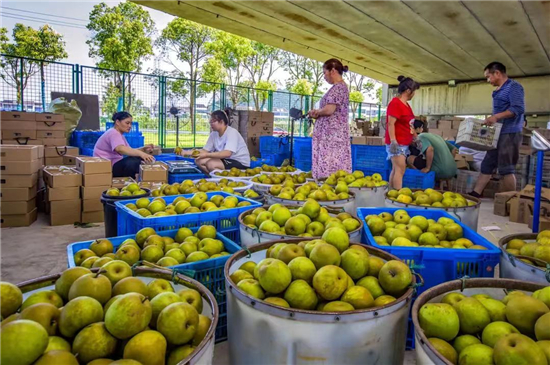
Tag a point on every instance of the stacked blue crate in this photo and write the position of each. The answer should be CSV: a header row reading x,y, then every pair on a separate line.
x,y
370,160
302,153
274,149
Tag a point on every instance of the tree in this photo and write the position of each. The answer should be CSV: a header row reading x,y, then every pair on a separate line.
x,y
300,67
355,98
121,41
42,44
303,88
261,92
261,64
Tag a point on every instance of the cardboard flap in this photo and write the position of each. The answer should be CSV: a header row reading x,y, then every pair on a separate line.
x,y
529,192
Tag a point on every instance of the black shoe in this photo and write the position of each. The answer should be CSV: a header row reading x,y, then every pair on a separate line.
x,y
474,194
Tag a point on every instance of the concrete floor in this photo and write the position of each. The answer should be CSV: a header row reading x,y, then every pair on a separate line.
x,y
30,252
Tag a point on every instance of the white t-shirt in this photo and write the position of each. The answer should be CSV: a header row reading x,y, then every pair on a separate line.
x,y
230,141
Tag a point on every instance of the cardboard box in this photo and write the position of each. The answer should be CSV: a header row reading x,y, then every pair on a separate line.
x,y
56,151
435,131
18,207
120,182
461,157
359,140
20,167
48,161
153,172
444,124
544,218
18,181
23,142
50,122
62,176
92,205
97,179
69,160
501,203
64,212
92,192
93,165
151,185
375,141
54,141
253,144
18,125
19,153
21,220
17,194
18,116
50,134
66,193
49,117
18,134
92,217
462,165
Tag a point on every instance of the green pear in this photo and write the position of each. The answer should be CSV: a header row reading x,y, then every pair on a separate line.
x,y
274,276
251,287
116,270
463,341
101,247
89,262
178,323
102,261
126,362
395,277
444,348
160,302
372,284
147,347
57,343
95,285
13,317
77,314
511,295
110,302
94,342
359,297
473,316
337,306
544,295
375,264
452,298
524,311
130,285
355,263
324,254
239,275
496,309
44,313
152,253
495,330
10,298
202,329
57,357
277,301
22,342
82,255
46,296
545,346
302,268
330,282
101,362
476,355
542,327
439,320
128,315
518,349
179,353
157,286
192,297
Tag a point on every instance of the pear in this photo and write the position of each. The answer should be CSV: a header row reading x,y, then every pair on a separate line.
x,y
58,343
518,349
82,255
524,311
444,348
202,329
10,298
495,331
79,313
542,328
57,357
67,278
89,262
13,317
545,346
101,362
511,295
178,323
179,353
126,362
101,247
496,309
130,285
22,342
478,354
110,302
94,342
116,270
439,320
96,286
158,286
44,313
46,296
544,295
160,302
463,341
473,316
147,347
128,315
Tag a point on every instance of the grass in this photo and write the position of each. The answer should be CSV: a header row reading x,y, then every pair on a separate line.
x,y
185,140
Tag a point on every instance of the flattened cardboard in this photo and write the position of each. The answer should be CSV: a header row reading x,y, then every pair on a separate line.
x,y
54,141
96,179
17,194
18,133
22,220
92,205
18,207
18,125
50,134
92,217
56,151
93,192
23,142
17,116
62,176
66,193
93,165
64,212
69,160
49,161
20,167
359,140
19,153
153,172
18,181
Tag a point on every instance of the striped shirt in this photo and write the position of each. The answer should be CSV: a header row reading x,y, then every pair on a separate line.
x,y
510,97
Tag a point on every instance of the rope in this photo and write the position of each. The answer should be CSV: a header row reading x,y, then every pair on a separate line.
x,y
134,267
463,279
418,284
547,273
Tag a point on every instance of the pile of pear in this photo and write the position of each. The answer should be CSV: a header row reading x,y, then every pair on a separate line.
x,y
235,172
356,179
429,198
311,190
481,330
132,189
286,180
540,249
323,275
148,245
100,318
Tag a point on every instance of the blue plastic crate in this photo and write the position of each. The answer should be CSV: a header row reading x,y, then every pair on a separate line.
x,y
438,265
302,153
207,272
135,141
270,145
129,222
369,157
171,157
134,130
265,160
414,179
177,178
87,151
85,139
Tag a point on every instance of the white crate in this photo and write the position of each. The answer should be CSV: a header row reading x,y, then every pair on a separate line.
x,y
474,133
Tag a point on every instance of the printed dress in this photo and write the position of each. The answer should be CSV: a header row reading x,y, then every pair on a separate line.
x,y
331,148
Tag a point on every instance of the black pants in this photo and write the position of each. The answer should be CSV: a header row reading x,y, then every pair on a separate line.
x,y
127,167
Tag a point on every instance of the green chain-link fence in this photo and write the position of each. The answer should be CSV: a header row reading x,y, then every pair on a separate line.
x,y
160,104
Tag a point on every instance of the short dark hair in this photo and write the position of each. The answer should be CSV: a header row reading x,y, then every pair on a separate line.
x,y
406,83
495,66
121,116
221,116
333,63
418,124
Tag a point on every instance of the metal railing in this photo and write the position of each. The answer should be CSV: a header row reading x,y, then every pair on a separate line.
x,y
160,104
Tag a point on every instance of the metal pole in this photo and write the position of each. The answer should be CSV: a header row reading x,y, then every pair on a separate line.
x,y
538,190
123,91
359,111
270,101
21,86
177,130
43,86
194,115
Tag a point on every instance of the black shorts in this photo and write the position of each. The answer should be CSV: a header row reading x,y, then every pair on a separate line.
x,y
229,163
504,157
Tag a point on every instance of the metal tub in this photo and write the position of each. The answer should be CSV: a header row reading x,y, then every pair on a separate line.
x,y
261,333
250,236
369,197
467,215
204,353
425,352
346,205
511,267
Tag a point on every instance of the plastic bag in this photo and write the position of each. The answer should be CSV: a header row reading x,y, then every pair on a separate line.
x,y
70,111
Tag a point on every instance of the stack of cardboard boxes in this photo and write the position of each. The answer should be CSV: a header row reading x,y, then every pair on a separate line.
x,y
63,202
445,127
33,129
155,173
20,166
520,206
253,125
366,133
96,178
60,155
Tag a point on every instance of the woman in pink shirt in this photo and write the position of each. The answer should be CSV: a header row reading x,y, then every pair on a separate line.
x,y
112,145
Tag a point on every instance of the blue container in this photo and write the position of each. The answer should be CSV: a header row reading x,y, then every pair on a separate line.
x,y
302,153
270,145
265,160
87,151
414,179
172,157
134,130
438,265
369,157
207,272
135,140
177,178
85,139
129,222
